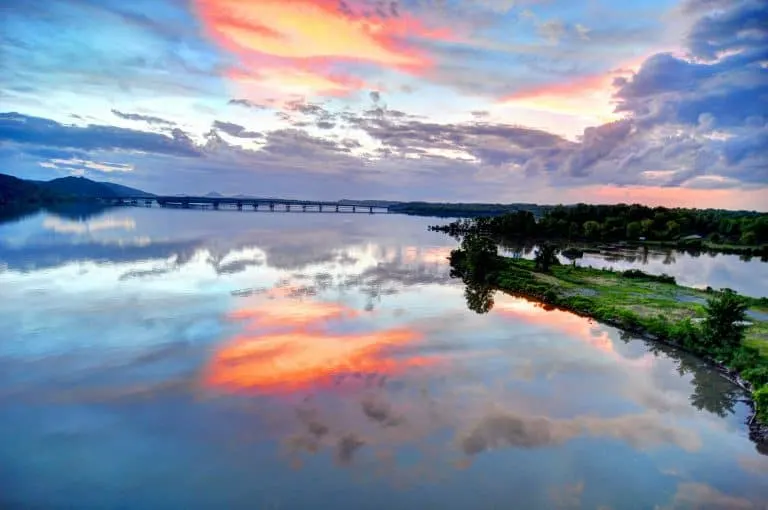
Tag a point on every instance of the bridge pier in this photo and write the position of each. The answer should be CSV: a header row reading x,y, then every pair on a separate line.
x,y
271,206
255,206
370,209
185,204
216,205
337,208
354,208
239,206
304,208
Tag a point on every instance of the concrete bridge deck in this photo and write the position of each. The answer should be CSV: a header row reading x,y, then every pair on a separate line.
x,y
265,204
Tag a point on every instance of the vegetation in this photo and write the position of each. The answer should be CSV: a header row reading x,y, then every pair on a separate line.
x,y
545,257
690,228
18,196
708,323
16,192
462,210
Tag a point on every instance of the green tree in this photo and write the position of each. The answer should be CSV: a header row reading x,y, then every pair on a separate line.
x,y
647,227
673,229
546,257
748,238
477,256
574,230
723,326
592,229
634,229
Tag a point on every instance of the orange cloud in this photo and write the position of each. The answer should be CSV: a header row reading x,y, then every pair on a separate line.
x,y
301,352
292,314
294,41
589,96
296,359
261,85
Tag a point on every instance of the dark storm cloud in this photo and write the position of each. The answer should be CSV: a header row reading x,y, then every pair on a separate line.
x,y
236,130
25,129
144,118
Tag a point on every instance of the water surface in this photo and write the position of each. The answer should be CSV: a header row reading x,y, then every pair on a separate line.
x,y
161,359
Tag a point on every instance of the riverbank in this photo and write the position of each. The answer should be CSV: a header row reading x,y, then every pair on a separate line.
x,y
653,307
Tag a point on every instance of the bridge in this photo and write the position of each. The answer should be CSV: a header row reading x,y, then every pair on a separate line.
x,y
256,204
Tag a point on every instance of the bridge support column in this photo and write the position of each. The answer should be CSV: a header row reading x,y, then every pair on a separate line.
x,y
215,205
239,206
337,208
354,208
255,206
370,209
288,207
271,207
304,208
320,206
185,204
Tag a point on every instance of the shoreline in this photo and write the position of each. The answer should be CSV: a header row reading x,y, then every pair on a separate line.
x,y
645,306
758,430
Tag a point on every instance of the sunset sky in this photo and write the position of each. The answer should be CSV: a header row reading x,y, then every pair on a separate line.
x,y
549,101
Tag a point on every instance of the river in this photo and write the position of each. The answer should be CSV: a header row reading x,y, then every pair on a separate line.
x,y
163,359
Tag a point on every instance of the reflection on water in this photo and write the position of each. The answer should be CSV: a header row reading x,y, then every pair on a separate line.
x,y
187,359
694,269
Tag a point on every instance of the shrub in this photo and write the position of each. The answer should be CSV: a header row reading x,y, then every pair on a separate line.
x,y
744,358
686,334
640,275
724,312
757,375
761,402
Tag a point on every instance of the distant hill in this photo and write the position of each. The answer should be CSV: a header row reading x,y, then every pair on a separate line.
x,y
81,187
15,191
214,194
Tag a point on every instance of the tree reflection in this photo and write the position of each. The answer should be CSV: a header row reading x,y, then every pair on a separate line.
x,y
479,297
711,392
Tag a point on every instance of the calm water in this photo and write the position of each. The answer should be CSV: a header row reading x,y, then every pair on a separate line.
x,y
163,359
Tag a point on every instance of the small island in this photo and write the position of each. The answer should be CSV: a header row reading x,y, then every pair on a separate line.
x,y
721,326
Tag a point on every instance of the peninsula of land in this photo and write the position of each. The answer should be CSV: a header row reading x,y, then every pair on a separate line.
x,y
721,326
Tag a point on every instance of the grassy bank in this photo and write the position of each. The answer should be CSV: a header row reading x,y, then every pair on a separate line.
x,y
651,306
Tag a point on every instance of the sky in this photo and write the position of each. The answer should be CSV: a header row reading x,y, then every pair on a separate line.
x,y
660,102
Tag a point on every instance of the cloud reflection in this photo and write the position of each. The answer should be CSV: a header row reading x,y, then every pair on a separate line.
x,y
288,345
572,325
63,226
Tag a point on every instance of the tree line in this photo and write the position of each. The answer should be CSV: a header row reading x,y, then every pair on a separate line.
x,y
624,222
